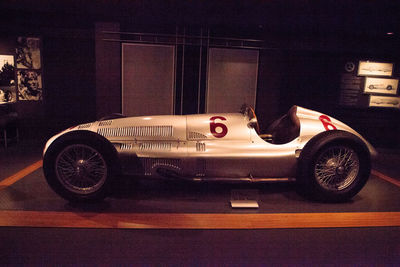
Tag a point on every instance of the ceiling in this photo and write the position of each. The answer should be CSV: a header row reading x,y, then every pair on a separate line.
x,y
350,18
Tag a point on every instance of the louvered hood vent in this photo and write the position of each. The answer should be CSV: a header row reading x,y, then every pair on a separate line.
x,y
85,126
196,136
147,146
155,146
137,131
150,165
105,123
200,147
126,146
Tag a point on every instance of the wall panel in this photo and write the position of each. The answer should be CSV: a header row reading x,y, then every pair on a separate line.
x,y
148,79
232,79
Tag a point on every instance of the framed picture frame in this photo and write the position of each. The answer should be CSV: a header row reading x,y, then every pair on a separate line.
x,y
6,59
370,68
381,86
29,85
384,101
7,79
28,64
28,54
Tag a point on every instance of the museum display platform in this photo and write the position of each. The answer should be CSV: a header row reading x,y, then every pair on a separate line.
x,y
165,218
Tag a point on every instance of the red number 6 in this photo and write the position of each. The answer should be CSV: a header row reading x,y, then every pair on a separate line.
x,y
214,125
326,121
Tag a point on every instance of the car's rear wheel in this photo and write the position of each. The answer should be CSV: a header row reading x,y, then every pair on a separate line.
x,y
334,167
79,170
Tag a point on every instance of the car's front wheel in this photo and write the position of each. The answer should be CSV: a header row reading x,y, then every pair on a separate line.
x,y
79,170
334,168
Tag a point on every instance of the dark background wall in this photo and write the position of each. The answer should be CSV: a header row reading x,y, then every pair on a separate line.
x,y
68,60
69,64
305,47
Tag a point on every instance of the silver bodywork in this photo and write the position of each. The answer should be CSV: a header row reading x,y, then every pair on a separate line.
x,y
207,146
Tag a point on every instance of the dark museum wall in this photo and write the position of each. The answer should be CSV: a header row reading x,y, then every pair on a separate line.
x,y
68,72
69,60
301,61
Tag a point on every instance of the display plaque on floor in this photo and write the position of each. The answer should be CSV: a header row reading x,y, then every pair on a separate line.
x,y
244,199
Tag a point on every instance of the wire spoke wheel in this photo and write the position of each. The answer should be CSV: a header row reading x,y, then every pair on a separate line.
x,y
81,169
336,168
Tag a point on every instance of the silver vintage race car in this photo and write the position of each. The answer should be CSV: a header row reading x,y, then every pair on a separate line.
x,y
328,160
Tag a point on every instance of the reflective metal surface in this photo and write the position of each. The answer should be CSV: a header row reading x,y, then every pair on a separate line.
x,y
225,144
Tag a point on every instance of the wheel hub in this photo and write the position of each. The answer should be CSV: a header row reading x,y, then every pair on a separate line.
x,y
80,166
336,168
340,170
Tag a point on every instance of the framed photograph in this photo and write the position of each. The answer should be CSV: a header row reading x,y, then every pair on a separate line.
x,y
384,101
381,86
369,68
28,53
7,79
6,59
29,85
7,94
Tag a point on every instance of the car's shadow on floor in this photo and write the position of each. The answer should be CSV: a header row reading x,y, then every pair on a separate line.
x,y
180,189
160,195
130,194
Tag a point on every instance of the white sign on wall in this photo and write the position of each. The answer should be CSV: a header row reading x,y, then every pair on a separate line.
x,y
369,68
381,86
384,101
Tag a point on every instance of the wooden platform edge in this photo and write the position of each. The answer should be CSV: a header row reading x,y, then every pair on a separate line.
x,y
197,221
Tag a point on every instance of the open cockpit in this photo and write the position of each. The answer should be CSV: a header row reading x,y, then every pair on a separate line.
x,y
283,130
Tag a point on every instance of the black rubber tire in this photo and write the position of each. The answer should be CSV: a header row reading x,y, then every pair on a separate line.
x,y
85,138
307,182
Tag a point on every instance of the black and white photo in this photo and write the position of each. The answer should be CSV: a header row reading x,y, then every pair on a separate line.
x,y
29,85
28,53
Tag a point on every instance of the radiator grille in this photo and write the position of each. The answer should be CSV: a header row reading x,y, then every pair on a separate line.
x,y
137,131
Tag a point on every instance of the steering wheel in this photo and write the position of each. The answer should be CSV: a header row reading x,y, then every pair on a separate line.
x,y
252,115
